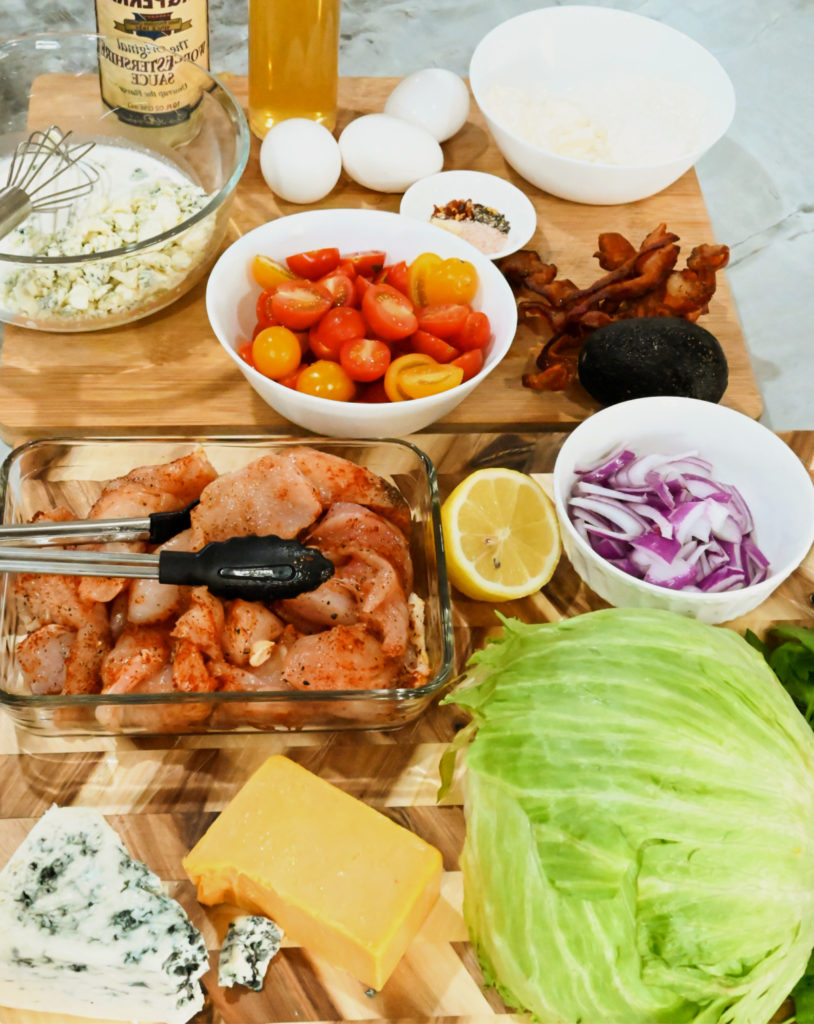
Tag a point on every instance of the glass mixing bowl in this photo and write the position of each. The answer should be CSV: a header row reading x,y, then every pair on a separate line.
x,y
42,475
156,216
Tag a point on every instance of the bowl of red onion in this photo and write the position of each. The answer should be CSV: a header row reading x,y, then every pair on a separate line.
x,y
684,505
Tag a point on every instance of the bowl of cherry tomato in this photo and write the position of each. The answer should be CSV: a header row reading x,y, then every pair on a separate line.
x,y
359,323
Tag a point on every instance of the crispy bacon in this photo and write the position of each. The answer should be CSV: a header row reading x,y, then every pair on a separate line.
x,y
638,282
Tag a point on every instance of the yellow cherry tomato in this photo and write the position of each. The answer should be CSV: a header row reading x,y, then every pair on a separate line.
x,y
421,381
417,273
268,273
326,379
276,352
392,377
433,281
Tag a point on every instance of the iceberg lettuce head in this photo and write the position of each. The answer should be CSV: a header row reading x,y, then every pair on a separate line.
x,y
639,800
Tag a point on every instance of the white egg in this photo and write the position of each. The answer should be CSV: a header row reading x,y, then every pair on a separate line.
x,y
435,99
300,160
387,154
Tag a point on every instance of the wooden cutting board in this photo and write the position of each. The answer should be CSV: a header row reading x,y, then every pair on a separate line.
x,y
167,372
162,793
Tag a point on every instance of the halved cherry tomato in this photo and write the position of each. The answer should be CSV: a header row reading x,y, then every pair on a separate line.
x,y
364,359
392,379
341,287
314,264
470,362
263,309
395,275
442,321
474,334
421,381
435,281
388,312
360,286
298,304
337,326
440,350
367,263
245,352
326,379
276,352
268,273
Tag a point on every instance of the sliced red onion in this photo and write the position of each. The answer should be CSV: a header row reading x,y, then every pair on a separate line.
x,y
666,520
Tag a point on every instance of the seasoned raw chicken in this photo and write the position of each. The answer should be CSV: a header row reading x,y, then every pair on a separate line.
x,y
42,656
346,526
141,492
337,479
354,632
249,626
342,658
269,496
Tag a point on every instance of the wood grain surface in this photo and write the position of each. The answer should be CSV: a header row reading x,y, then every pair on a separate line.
x,y
167,371
161,793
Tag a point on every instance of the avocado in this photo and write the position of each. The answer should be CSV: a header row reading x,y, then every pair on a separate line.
x,y
656,355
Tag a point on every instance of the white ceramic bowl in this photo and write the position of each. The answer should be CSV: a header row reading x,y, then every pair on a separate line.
x,y
774,483
231,297
420,199
560,49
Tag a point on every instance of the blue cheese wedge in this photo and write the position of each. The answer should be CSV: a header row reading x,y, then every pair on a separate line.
x,y
86,928
247,950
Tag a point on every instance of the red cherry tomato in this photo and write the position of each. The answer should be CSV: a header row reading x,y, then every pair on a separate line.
x,y
388,312
245,352
264,314
470,362
396,275
337,326
360,286
291,380
364,359
326,379
341,287
442,321
373,392
298,304
475,333
368,264
314,264
428,344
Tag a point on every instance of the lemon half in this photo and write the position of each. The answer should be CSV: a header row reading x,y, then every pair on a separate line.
x,y
501,535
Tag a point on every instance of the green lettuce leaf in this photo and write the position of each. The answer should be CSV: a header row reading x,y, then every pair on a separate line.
x,y
639,801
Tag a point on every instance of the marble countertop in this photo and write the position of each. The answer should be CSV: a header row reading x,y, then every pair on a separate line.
x,y
757,181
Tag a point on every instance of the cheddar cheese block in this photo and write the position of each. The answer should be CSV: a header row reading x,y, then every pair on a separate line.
x,y
340,879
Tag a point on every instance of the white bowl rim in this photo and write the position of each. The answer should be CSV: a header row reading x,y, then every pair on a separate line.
x,y
365,410
772,581
481,187
727,98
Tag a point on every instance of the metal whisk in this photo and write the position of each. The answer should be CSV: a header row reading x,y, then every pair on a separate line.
x,y
37,163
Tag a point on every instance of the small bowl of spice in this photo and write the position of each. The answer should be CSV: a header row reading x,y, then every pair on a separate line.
x,y
488,212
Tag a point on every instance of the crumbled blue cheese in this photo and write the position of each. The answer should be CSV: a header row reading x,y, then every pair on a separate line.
x,y
247,950
87,929
144,199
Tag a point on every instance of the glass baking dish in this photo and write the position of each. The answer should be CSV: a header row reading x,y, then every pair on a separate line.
x,y
44,474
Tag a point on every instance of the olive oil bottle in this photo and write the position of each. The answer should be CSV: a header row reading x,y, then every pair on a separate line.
x,y
146,59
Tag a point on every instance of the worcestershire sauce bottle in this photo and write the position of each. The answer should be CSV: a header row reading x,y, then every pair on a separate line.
x,y
142,56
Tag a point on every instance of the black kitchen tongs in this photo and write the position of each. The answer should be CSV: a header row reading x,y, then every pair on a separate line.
x,y
254,568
